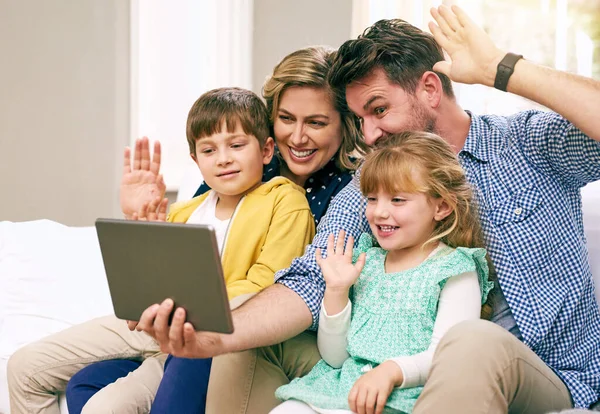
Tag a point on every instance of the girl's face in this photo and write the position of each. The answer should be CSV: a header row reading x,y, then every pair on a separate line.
x,y
403,220
308,131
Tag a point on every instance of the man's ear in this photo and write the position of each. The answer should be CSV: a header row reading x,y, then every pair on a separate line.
x,y
268,150
443,210
431,90
194,158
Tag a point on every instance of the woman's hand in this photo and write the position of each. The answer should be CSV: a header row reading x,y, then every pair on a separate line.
x,y
338,271
474,57
371,391
154,211
141,183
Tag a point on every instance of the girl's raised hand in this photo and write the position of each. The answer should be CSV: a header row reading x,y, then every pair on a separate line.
x,y
338,270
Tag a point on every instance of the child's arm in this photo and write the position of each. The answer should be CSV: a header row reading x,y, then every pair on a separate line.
x,y
291,230
332,338
340,274
460,300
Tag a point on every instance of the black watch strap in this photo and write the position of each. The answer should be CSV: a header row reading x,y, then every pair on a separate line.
x,y
506,67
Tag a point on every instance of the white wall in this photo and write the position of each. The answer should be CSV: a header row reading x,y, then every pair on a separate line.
x,y
280,27
64,108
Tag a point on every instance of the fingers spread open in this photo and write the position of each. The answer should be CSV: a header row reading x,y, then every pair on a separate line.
x,y
145,165
155,165
319,256
162,209
339,248
349,246
137,155
439,36
441,22
330,250
143,214
127,161
450,18
160,182
360,262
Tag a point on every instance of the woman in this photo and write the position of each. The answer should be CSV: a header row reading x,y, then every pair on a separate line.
x,y
316,142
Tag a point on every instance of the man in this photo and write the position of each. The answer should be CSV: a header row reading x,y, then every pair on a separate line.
x,y
527,170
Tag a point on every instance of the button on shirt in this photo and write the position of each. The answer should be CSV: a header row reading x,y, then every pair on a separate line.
x,y
527,171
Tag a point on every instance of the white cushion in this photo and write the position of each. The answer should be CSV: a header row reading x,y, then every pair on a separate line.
x,y
52,277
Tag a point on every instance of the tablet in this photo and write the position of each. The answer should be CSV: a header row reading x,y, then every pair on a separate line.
x,y
148,262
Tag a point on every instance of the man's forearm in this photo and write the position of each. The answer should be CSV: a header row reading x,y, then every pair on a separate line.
x,y
273,316
575,97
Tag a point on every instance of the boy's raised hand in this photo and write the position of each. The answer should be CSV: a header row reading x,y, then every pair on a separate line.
x,y
141,182
156,210
338,270
474,57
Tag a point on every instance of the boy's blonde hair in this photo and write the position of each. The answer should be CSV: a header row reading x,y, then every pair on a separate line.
x,y
420,162
230,105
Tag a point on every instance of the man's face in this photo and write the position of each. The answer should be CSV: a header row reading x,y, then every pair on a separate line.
x,y
385,108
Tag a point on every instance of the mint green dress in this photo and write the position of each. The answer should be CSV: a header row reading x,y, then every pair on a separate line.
x,y
393,315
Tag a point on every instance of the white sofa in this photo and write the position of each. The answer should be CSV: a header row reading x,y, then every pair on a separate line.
x,y
51,277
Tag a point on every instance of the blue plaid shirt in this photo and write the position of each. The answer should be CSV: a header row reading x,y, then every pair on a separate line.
x,y
527,171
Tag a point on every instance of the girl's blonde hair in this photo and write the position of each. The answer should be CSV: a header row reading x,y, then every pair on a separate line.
x,y
309,67
420,162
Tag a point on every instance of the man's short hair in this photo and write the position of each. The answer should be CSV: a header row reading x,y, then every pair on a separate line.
x,y
402,50
231,106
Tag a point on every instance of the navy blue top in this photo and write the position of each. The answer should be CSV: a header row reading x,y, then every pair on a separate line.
x,y
320,188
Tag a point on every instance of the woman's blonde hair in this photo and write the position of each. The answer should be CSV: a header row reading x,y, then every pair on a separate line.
x,y
310,67
420,162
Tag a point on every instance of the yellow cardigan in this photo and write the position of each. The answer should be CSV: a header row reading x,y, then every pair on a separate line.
x,y
270,227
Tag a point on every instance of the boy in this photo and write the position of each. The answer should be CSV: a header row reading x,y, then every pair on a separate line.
x,y
260,228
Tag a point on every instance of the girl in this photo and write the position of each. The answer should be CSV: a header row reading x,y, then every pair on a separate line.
x,y
387,305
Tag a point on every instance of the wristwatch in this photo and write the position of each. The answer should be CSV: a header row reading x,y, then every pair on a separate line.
x,y
506,67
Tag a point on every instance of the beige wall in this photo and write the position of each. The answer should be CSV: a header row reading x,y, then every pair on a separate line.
x,y
282,26
64,95
64,108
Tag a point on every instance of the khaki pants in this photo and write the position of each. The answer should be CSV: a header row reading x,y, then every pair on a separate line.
x,y
479,367
37,372
41,370
245,382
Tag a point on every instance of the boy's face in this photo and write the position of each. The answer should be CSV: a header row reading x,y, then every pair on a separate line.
x,y
231,163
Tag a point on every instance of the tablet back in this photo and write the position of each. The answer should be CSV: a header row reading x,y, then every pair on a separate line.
x,y
147,262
